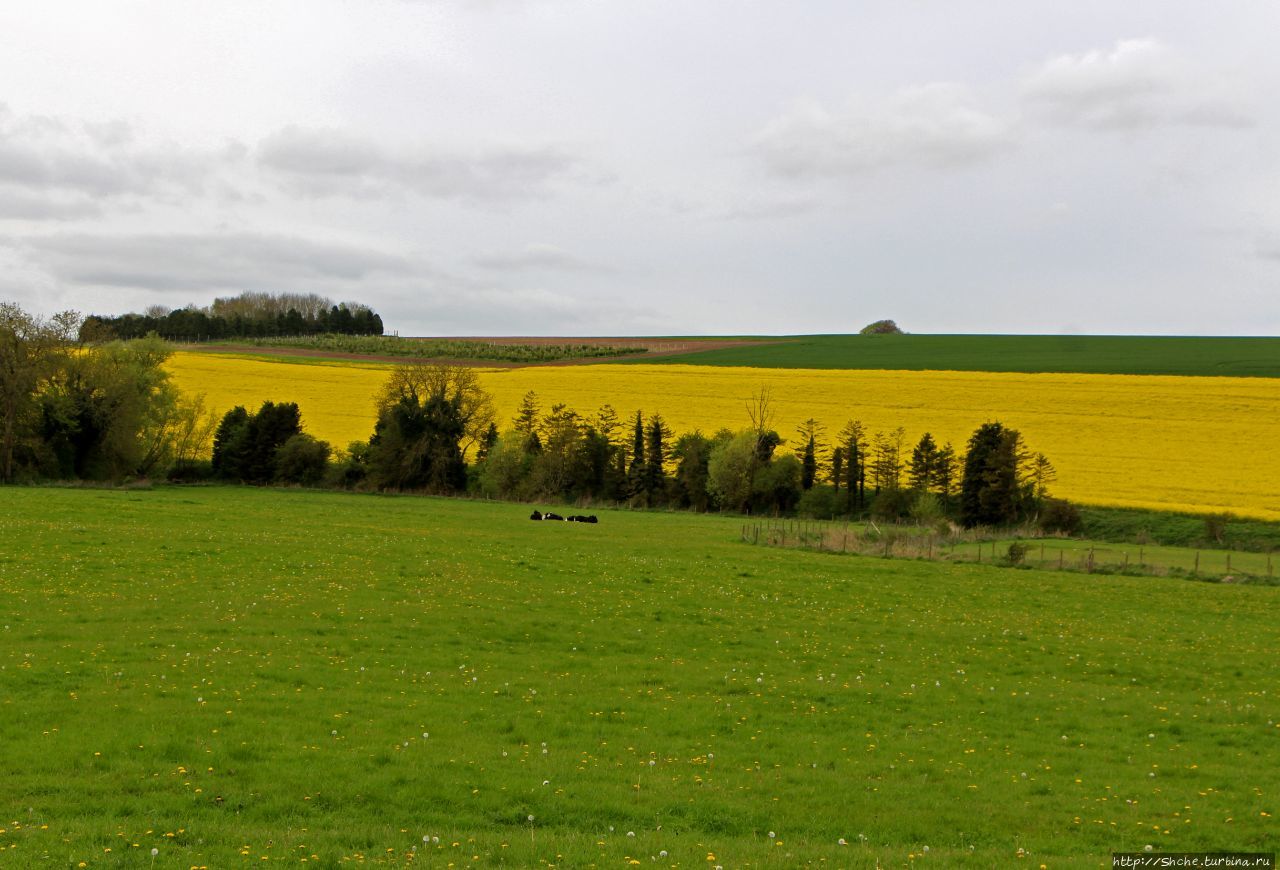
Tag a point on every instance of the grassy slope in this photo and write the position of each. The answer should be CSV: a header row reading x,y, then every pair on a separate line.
x,y
226,674
1099,354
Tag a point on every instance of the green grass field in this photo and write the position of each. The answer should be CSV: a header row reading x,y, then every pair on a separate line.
x,y
1097,354
228,675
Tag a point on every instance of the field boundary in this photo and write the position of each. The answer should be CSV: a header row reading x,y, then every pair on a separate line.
x,y
1044,552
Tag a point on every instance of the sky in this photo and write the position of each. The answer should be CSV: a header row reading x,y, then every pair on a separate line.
x,y
608,167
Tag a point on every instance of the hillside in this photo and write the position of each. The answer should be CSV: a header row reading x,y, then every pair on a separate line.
x,y
1084,354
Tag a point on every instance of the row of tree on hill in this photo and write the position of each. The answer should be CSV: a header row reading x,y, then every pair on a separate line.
x,y
437,432
249,315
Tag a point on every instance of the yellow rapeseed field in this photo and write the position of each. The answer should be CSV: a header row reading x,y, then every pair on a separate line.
x,y
1174,443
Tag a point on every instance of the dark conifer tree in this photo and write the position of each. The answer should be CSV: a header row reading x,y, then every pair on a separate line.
x,y
982,444
922,470
226,458
808,465
487,442
635,473
655,478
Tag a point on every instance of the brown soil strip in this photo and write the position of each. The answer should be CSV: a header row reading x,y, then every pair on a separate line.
x,y
646,348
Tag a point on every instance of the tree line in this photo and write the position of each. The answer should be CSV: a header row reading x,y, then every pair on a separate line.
x,y
249,315
437,431
108,411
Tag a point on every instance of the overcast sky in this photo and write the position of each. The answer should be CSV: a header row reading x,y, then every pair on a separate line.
x,y
614,167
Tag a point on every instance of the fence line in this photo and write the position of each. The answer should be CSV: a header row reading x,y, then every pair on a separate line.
x,y
983,548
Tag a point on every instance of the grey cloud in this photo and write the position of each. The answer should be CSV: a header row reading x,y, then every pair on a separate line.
x,y
936,125
334,163
537,257
46,154
1138,83
20,205
523,311
208,262
1268,248
759,209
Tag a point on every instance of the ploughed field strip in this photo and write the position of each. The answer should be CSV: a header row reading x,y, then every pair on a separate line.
x,y
231,674
1171,443
499,351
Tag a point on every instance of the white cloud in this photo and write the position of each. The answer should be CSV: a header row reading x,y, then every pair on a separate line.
x,y
1138,83
936,125
335,163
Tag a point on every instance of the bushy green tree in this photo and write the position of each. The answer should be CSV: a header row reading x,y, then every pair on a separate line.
x,y
692,453
416,446
730,470
302,460
32,350
245,445
777,485
112,412
507,466
994,489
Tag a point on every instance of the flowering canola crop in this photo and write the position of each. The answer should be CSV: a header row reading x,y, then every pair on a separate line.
x,y
1175,443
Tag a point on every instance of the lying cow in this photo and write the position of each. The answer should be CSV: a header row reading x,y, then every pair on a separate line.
x,y
536,515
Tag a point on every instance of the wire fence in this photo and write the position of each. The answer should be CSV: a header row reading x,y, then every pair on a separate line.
x,y
1026,550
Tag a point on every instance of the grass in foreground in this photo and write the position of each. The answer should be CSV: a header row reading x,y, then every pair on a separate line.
x,y
231,674
1085,354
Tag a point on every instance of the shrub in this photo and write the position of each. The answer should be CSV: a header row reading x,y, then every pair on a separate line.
x,y
1060,515
1215,528
881,327
927,509
302,459
1016,553
819,503
190,471
892,504
348,469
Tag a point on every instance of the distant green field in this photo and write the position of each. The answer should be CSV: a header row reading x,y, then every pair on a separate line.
x,y
228,674
1099,354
